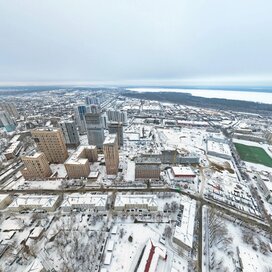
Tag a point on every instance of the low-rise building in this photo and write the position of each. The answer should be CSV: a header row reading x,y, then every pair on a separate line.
x,y
5,200
147,168
184,233
84,201
183,173
13,150
265,186
40,202
218,149
125,202
152,253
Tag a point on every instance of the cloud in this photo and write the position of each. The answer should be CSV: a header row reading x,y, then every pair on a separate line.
x,y
120,40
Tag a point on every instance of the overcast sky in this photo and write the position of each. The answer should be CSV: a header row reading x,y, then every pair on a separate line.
x,y
136,40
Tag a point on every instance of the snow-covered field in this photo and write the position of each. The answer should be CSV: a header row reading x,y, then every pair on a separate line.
x,y
226,94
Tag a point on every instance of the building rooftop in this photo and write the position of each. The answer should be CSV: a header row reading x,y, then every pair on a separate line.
x,y
75,157
12,147
147,160
81,199
183,171
185,232
43,201
153,251
122,200
110,139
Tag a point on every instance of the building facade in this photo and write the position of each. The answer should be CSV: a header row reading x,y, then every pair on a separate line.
x,y
117,128
147,168
10,108
78,165
51,142
117,116
70,133
94,126
36,167
7,122
111,154
80,111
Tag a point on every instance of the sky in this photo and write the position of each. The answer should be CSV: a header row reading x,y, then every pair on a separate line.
x,y
136,41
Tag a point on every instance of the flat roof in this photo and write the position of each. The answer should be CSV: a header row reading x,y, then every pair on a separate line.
x,y
110,139
108,257
185,232
218,147
75,157
183,171
12,147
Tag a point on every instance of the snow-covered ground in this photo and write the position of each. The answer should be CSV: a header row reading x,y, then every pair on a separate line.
x,y
243,243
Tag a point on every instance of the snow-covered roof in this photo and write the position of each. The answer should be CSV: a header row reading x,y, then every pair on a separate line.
x,y
110,139
220,148
3,198
107,259
12,148
84,199
185,232
12,224
36,232
76,157
35,266
122,200
42,201
153,251
183,171
110,245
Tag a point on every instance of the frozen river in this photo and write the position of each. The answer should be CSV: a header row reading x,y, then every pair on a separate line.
x,y
261,97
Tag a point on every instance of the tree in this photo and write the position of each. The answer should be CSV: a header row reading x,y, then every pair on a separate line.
x,y
167,231
130,238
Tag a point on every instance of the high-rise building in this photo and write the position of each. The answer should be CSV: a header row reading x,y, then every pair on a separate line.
x,y
10,108
51,142
70,133
94,126
111,154
92,100
116,128
117,116
7,122
36,166
80,111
